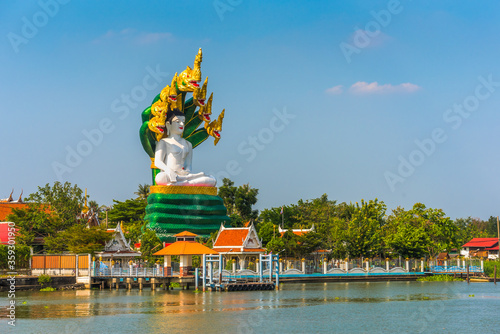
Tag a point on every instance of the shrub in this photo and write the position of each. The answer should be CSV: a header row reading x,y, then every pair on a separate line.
x,y
44,279
48,289
439,278
489,267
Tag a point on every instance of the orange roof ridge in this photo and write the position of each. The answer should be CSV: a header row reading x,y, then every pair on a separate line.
x,y
186,248
186,234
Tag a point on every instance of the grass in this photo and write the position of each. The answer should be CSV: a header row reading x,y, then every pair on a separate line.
x,y
439,278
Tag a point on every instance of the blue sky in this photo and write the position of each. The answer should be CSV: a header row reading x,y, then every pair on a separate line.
x,y
395,100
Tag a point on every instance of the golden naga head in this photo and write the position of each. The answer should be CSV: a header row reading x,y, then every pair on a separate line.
x,y
189,79
206,111
215,127
200,94
169,93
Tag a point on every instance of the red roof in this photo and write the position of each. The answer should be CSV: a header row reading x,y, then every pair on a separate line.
x,y
4,233
299,233
231,237
482,243
6,209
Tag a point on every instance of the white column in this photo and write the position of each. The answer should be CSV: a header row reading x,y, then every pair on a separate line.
x,y
407,265
325,266
234,266
482,265
304,266
387,264
367,265
281,265
445,265
422,265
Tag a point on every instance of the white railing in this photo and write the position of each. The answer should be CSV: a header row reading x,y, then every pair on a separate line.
x,y
127,272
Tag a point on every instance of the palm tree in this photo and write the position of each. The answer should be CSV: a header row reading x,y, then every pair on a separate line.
x,y
142,192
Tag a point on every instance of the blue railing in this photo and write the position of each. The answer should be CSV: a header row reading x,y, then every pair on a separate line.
x,y
455,269
127,272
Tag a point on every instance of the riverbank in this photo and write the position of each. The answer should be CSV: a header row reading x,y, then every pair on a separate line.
x,y
30,283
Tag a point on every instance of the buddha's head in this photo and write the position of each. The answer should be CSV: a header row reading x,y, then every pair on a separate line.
x,y
175,122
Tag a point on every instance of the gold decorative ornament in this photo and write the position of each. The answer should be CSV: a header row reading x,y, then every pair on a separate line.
x,y
187,190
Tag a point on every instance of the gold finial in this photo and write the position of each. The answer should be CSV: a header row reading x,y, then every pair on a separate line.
x,y
85,207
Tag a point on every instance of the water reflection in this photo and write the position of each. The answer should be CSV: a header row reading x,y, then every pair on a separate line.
x,y
181,310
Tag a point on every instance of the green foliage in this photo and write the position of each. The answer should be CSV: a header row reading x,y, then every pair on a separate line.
x,y
48,289
229,265
142,192
489,268
363,236
439,278
150,243
50,210
22,254
130,210
44,279
79,239
175,285
239,202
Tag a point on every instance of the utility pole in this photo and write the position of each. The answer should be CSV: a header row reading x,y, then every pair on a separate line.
x,y
498,236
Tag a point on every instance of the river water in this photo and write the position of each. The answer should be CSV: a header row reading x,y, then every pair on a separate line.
x,y
382,307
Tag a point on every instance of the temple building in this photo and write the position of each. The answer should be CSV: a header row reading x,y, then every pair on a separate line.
x,y
118,249
241,244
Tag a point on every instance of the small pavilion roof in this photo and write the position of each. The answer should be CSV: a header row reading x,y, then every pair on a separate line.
x,y
185,248
185,234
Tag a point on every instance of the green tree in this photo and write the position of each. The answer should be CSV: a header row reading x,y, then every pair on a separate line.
x,y
79,239
150,244
363,235
129,211
142,192
238,202
50,210
420,231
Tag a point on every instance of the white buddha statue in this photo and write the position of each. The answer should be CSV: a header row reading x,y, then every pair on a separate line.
x,y
174,155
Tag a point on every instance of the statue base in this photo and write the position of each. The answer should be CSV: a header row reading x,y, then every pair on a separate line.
x,y
174,209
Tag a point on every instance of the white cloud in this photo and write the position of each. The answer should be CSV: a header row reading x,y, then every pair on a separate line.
x,y
335,90
362,87
132,36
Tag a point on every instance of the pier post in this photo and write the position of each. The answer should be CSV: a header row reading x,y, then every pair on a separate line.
x,y
495,274
468,280
204,272
259,266
140,283
153,284
281,266
76,265
196,277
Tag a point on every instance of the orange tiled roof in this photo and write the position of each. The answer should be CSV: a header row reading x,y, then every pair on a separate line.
x,y
231,237
185,248
185,234
6,209
299,233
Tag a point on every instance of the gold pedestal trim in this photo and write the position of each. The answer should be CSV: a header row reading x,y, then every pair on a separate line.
x,y
187,190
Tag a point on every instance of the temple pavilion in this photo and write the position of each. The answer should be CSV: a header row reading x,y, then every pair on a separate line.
x,y
241,244
185,247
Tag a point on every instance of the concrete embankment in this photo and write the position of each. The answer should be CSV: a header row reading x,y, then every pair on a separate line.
x,y
31,283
